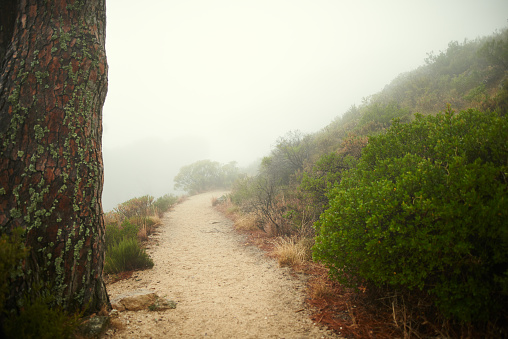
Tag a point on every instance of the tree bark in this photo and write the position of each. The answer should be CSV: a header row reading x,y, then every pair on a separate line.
x,y
53,84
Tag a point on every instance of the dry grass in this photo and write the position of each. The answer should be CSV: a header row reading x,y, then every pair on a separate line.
x,y
247,222
182,198
224,205
291,252
321,289
215,201
148,226
112,218
152,222
243,222
142,234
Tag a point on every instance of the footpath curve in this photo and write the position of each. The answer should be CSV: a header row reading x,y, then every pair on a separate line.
x,y
223,288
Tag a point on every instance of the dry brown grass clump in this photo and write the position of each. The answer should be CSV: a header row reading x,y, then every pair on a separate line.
x,y
247,222
112,218
143,234
321,288
153,221
148,226
291,252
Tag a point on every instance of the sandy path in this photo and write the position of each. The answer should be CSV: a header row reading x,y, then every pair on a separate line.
x,y
223,288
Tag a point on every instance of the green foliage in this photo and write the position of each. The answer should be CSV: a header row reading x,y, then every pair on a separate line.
x,y
465,75
164,203
382,114
495,50
500,102
206,175
243,190
426,208
287,158
12,251
40,319
131,220
455,60
325,173
294,149
126,255
115,233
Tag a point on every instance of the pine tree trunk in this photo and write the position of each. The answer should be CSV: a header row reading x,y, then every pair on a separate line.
x,y
53,84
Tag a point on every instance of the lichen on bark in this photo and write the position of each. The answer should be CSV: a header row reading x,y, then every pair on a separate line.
x,y
53,85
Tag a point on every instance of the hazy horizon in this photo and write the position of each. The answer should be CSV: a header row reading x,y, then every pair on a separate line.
x,y
222,80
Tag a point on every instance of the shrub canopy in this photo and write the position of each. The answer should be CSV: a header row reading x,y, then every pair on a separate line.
x,y
426,208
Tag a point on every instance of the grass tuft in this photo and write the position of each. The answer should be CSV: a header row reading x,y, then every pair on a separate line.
x,y
291,252
248,222
125,256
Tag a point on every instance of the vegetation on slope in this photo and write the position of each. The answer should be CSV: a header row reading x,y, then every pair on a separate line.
x,y
406,202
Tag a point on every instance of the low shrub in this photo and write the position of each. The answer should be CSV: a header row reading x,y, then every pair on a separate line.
x,y
141,206
127,255
142,224
426,209
40,319
115,233
164,203
12,251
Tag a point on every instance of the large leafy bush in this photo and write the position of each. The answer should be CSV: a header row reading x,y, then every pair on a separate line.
x,y
426,208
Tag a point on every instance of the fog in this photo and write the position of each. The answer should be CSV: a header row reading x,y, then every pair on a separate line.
x,y
222,80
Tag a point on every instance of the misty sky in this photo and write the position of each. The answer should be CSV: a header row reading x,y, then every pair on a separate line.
x,y
222,80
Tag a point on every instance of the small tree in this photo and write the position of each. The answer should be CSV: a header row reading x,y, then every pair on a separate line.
x,y
205,175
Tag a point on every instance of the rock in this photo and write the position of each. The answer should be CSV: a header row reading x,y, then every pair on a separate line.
x,y
119,307
135,301
94,327
139,302
162,304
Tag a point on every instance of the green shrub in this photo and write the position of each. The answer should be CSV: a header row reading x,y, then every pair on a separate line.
x,y
12,251
426,208
164,203
383,114
115,233
243,190
324,174
40,319
127,255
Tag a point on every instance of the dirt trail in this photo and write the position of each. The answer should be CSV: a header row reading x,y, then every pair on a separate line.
x,y
223,287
